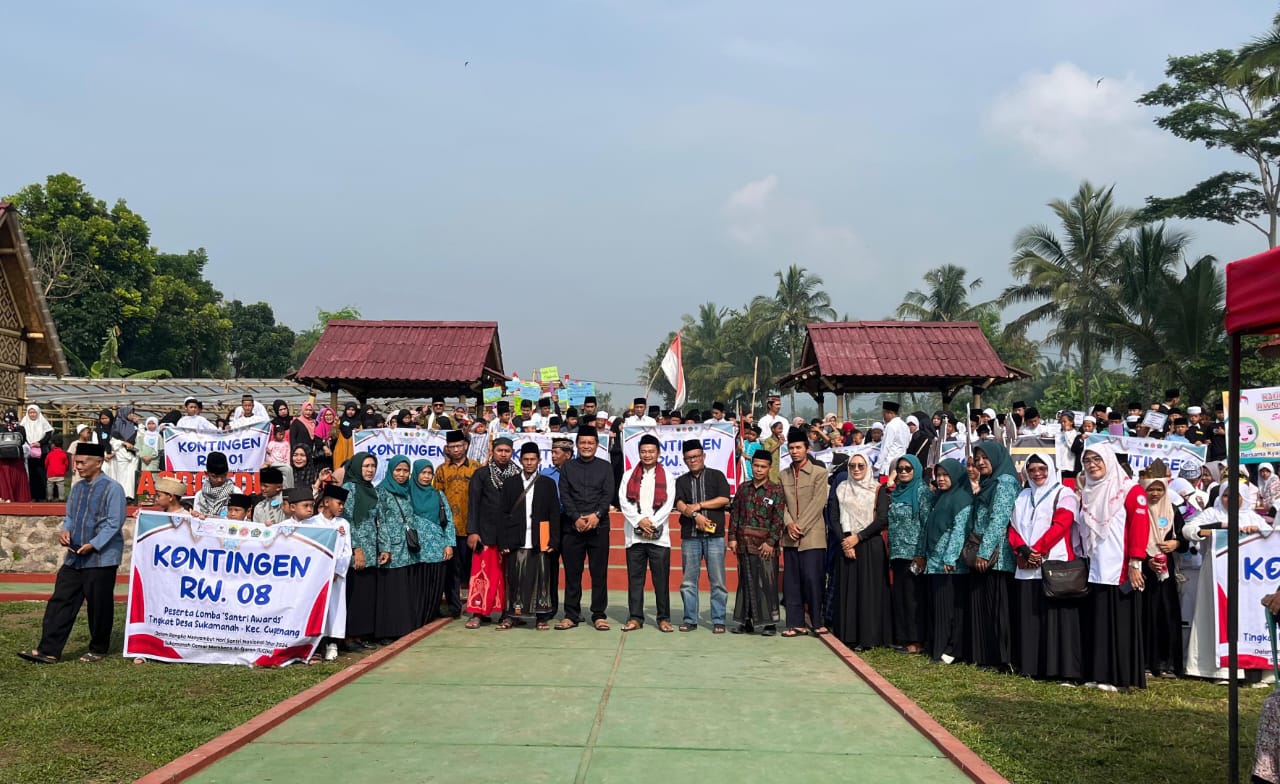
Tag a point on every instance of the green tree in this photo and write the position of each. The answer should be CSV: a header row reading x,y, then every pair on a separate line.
x,y
108,261
1069,279
184,327
1210,103
260,347
307,339
108,364
1257,64
945,297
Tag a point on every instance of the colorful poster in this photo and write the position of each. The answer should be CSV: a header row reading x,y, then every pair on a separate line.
x,y
718,441
550,373
246,448
1259,430
1179,456
215,591
1259,576
384,443
492,394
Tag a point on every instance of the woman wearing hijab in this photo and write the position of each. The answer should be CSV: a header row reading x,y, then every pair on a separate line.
x,y
326,435
1046,632
280,413
361,510
908,508
993,501
102,430
122,466
347,425
404,420
302,431
399,601
37,431
922,435
1115,530
938,556
1161,604
1268,488
151,446
861,575
302,469
14,485
433,520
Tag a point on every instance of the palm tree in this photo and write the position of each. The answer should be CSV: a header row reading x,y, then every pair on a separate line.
x,y
798,302
1257,65
946,297
1071,279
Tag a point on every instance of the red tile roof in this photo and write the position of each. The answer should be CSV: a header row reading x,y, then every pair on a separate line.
x,y
381,355
872,351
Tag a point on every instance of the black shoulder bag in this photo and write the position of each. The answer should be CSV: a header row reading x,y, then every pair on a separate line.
x,y
411,540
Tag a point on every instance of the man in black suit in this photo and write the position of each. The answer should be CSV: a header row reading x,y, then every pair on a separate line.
x,y
528,540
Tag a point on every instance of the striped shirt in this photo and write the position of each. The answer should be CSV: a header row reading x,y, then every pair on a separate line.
x,y
95,515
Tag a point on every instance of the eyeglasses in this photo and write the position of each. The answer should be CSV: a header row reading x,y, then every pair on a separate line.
x,y
1091,460
906,469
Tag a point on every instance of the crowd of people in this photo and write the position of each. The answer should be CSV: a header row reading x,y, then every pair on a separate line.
x,y
1067,568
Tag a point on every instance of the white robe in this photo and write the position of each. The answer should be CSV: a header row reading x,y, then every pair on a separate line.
x,y
335,624
122,467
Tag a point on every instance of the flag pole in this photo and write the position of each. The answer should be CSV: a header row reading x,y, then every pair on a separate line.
x,y
755,377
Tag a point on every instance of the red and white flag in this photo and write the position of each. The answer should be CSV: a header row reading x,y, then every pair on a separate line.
x,y
673,369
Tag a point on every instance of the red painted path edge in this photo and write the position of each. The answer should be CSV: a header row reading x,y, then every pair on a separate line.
x,y
964,757
203,756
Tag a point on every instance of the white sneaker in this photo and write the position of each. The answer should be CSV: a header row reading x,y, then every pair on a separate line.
x,y
1091,685
947,658
330,651
1107,687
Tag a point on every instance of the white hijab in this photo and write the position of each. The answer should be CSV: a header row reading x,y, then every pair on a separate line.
x,y
1102,499
37,428
858,500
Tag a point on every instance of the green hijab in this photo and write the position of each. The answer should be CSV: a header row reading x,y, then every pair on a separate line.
x,y
425,499
908,493
1001,464
364,496
951,502
389,482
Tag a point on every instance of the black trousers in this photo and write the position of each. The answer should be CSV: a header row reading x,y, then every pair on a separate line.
x,y
94,587
593,548
802,575
459,567
658,561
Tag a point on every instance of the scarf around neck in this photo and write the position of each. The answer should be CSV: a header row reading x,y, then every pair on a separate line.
x,y
659,486
498,475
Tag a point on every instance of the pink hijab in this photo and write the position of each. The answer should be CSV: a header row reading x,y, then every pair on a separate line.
x,y
324,428
308,422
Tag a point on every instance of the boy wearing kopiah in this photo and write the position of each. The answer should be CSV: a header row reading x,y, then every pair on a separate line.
x,y
332,499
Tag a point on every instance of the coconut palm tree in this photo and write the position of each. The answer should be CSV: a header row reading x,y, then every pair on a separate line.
x,y
1257,65
945,298
1070,279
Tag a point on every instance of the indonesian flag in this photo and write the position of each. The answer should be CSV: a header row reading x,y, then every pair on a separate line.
x,y
673,369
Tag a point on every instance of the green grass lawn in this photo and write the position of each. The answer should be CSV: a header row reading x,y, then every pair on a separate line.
x,y
1029,731
114,721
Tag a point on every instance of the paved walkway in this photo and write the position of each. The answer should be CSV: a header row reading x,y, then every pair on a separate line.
x,y
588,706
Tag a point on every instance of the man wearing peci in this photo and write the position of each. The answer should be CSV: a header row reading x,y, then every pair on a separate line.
x,y
586,492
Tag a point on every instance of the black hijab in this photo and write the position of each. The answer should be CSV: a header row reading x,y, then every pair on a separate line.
x,y
349,419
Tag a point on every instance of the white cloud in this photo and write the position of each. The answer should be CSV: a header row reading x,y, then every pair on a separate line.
x,y
776,54
760,217
1069,120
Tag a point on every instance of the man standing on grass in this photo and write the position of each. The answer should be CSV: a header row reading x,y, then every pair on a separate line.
x,y
702,495
91,534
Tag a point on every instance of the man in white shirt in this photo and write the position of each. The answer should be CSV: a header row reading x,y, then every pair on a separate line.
x,y
542,419
638,416
645,499
250,412
717,412
332,499
774,406
193,419
896,438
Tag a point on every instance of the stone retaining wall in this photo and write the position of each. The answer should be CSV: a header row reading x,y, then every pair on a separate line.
x,y
29,543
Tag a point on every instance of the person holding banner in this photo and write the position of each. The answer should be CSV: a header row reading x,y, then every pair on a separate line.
x,y
805,543
993,503
1046,632
397,608
861,574
755,528
216,489
485,517
434,524
938,556
329,515
270,507
361,509
169,493
702,495
646,500
529,537
91,532
909,505
1115,531
586,492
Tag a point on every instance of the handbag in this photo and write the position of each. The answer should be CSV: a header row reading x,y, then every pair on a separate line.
x,y
1065,579
969,552
411,540
36,451
11,444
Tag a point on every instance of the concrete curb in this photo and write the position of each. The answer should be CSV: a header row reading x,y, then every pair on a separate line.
x,y
203,756
973,766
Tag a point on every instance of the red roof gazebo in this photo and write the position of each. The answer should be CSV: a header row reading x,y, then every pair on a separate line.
x,y
404,359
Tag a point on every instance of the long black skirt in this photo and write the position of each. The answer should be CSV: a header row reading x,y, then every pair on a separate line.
x,y
907,599
397,612
1113,637
427,581
362,601
861,606
1162,625
1047,642
756,601
989,636
947,605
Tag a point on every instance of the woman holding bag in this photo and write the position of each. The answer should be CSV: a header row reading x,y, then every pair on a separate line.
x,y
433,519
1046,631
361,510
399,600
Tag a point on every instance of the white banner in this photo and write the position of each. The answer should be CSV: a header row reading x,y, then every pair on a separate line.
x,y
385,443
718,442
217,591
1177,455
187,450
1259,576
543,440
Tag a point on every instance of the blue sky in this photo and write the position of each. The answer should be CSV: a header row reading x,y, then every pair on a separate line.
x,y
599,168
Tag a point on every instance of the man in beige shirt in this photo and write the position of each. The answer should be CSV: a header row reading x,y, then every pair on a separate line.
x,y
804,540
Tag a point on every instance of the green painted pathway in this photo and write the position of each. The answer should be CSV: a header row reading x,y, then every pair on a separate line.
x,y
588,706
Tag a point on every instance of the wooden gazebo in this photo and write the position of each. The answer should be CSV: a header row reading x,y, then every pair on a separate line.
x,y
404,359
28,337
856,357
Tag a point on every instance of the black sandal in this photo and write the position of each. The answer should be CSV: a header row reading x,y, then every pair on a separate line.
x,y
37,657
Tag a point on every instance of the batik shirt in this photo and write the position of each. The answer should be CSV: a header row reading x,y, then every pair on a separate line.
x,y
992,524
758,507
905,524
